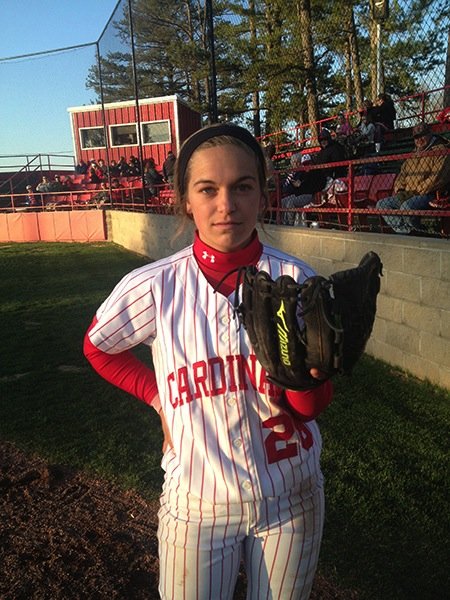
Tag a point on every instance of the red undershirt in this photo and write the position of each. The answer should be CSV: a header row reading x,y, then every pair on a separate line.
x,y
128,373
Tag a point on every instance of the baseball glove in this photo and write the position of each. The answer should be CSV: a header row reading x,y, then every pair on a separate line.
x,y
322,323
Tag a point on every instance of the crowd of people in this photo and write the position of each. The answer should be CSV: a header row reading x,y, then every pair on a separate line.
x,y
107,178
367,135
421,177
97,171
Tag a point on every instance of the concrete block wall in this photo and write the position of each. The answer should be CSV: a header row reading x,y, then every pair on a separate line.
x,y
412,328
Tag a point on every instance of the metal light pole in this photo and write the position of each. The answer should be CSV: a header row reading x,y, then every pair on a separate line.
x,y
136,97
213,116
379,69
380,12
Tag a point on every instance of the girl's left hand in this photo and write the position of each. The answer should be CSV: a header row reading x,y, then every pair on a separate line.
x,y
317,374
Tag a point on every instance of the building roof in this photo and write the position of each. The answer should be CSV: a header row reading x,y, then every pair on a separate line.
x,y
142,101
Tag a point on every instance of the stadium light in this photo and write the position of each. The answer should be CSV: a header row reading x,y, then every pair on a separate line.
x,y
380,10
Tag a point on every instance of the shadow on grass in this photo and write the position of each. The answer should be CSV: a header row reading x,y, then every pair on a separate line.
x,y
385,458
386,465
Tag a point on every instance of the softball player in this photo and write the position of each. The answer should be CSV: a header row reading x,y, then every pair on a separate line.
x,y
241,456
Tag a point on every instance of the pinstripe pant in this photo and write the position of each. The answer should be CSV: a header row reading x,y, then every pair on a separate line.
x,y
201,546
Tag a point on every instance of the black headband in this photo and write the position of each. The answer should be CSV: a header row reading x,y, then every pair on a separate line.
x,y
196,139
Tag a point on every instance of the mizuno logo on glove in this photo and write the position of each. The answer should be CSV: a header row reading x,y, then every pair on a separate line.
x,y
283,331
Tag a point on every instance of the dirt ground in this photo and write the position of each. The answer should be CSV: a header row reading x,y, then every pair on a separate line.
x,y
65,536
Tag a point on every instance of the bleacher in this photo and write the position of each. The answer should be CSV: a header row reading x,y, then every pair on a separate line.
x,y
83,194
369,179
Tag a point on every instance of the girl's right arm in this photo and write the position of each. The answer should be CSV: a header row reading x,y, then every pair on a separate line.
x,y
124,370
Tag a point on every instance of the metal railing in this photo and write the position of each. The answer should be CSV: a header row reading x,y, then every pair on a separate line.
x,y
350,209
18,168
354,208
422,110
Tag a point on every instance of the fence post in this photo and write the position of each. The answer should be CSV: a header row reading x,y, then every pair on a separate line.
x,y
351,187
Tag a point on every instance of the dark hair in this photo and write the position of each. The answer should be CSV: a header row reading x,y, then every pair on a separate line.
x,y
420,130
324,135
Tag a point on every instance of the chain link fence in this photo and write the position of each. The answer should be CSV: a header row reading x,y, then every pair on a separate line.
x,y
283,68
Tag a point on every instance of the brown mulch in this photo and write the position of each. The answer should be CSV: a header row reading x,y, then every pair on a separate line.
x,y
64,535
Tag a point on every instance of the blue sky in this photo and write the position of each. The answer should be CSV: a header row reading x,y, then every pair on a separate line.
x,y
35,92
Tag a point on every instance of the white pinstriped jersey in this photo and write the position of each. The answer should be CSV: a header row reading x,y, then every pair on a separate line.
x,y
231,440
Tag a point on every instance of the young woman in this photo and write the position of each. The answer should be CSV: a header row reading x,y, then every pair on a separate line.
x,y
241,456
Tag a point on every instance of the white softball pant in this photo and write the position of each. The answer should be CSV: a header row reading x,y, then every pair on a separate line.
x,y
201,546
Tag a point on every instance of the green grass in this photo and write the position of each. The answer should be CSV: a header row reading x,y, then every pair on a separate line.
x,y
385,458
386,463
50,293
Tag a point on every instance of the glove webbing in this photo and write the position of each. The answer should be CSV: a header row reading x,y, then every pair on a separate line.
x,y
320,286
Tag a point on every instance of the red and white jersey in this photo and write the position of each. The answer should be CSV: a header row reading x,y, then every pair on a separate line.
x,y
232,442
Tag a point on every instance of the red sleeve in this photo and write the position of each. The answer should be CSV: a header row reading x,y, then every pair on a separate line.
x,y
308,404
123,370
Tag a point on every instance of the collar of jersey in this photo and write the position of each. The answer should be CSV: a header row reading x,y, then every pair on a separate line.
x,y
222,262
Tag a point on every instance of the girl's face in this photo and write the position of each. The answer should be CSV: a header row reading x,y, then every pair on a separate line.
x,y
224,196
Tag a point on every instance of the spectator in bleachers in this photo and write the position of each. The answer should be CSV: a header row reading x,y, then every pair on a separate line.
x,y
116,192
43,185
67,183
367,129
385,112
134,166
299,187
169,166
55,185
122,166
103,195
95,174
362,141
113,169
81,168
343,128
30,199
330,151
101,165
152,177
420,177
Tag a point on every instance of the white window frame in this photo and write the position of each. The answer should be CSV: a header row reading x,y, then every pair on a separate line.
x,y
81,129
152,123
122,125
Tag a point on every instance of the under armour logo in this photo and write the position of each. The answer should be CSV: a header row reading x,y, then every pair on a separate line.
x,y
211,257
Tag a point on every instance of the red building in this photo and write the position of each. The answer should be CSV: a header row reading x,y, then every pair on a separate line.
x,y
164,123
